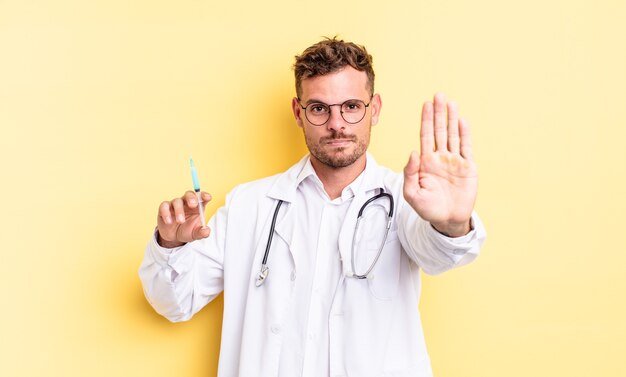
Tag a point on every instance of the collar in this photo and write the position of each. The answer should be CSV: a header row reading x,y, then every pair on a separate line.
x,y
306,172
285,186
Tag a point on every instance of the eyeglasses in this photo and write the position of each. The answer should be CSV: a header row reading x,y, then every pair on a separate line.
x,y
318,113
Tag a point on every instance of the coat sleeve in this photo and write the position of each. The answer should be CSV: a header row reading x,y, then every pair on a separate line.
x,y
431,250
179,282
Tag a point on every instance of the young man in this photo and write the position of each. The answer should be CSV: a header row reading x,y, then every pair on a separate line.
x,y
308,289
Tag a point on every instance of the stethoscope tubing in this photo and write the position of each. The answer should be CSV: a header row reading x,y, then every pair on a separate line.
x,y
356,230
264,269
263,273
271,235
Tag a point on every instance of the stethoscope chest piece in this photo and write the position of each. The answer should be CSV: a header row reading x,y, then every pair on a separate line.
x,y
260,279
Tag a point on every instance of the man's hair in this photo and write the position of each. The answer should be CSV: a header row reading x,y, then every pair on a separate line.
x,y
332,55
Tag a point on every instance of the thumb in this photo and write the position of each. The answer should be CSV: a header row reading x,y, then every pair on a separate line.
x,y
200,233
206,198
411,170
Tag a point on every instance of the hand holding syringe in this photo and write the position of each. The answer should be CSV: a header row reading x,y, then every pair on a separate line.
x,y
182,220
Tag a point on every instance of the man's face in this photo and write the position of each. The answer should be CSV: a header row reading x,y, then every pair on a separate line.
x,y
337,143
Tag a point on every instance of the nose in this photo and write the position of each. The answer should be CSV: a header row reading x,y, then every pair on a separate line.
x,y
335,121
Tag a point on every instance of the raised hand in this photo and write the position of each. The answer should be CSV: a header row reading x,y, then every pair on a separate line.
x,y
441,183
179,220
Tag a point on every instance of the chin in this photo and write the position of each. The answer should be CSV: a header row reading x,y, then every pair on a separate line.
x,y
340,160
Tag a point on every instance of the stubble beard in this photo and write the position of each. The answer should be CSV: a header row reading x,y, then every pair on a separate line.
x,y
336,159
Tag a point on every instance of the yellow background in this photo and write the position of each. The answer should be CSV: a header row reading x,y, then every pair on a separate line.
x,y
102,102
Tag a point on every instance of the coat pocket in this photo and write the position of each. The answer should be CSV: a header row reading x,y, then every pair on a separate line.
x,y
384,279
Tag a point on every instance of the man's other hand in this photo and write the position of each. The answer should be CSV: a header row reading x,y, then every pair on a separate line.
x,y
441,183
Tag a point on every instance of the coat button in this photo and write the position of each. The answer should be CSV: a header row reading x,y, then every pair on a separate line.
x,y
275,329
458,252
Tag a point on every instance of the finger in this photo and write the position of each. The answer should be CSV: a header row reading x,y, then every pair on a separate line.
x,y
179,210
199,233
466,140
191,199
411,170
164,213
426,131
206,197
453,127
441,138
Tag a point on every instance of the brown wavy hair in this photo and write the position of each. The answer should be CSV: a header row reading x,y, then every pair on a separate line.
x,y
331,55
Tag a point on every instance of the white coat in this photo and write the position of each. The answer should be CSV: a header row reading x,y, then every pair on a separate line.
x,y
374,324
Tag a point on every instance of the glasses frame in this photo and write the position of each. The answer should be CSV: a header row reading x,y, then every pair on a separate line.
x,y
330,110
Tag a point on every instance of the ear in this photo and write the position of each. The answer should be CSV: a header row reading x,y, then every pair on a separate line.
x,y
376,105
297,111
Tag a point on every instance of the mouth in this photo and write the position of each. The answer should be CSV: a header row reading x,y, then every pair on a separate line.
x,y
338,142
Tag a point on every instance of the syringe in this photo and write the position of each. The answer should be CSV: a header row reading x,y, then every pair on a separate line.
x,y
196,188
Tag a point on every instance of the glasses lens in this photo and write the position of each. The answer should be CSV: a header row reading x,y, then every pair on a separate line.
x,y
353,110
317,113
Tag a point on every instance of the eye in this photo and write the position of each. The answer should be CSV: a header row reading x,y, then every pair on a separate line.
x,y
318,108
352,106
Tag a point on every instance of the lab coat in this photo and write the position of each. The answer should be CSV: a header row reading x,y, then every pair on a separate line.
x,y
374,324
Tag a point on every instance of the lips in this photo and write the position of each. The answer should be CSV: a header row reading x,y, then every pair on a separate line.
x,y
338,140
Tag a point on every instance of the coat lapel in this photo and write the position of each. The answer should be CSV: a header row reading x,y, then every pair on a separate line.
x,y
372,180
285,189
347,232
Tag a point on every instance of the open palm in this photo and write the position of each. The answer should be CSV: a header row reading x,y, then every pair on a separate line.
x,y
441,182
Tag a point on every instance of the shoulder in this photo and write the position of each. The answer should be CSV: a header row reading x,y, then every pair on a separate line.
x,y
257,187
278,186
388,174
384,176
251,192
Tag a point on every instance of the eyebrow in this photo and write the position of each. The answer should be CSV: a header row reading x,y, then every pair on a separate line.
x,y
315,100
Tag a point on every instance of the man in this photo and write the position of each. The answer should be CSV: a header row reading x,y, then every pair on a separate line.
x,y
308,290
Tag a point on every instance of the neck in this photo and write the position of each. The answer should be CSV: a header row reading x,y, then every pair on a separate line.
x,y
337,179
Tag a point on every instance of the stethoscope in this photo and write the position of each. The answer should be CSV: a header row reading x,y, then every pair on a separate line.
x,y
262,276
